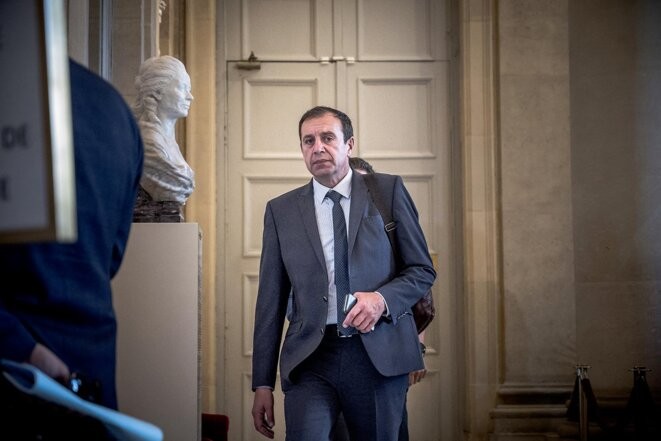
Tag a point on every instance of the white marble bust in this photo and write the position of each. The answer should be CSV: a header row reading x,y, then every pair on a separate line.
x,y
164,95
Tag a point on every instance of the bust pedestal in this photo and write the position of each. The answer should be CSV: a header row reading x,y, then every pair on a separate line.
x,y
156,296
147,209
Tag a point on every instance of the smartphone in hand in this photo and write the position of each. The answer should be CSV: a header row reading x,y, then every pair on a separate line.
x,y
349,302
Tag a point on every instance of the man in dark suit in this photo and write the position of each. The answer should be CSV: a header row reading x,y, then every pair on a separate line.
x,y
55,301
323,245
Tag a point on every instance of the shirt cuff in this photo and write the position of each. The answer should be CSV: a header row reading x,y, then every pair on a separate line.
x,y
386,313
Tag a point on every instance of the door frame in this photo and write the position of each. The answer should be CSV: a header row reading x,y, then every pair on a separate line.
x,y
206,62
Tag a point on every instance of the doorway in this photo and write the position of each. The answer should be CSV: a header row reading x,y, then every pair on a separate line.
x,y
383,62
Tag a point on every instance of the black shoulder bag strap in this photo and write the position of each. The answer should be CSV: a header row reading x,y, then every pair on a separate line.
x,y
424,310
385,210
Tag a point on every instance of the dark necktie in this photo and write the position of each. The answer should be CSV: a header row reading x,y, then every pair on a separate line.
x,y
341,260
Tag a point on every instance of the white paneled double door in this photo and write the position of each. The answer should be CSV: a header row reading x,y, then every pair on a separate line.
x,y
401,119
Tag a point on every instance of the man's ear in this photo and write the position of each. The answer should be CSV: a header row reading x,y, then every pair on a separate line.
x,y
350,144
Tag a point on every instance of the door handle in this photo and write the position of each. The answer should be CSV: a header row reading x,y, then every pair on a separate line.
x,y
251,64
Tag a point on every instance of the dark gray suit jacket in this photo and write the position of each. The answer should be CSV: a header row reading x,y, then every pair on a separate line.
x,y
292,259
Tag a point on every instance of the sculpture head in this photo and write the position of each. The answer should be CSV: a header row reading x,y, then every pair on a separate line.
x,y
164,90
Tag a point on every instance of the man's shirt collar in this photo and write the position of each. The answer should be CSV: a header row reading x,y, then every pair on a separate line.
x,y
343,187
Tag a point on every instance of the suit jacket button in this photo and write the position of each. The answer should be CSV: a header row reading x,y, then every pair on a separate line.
x,y
325,299
323,331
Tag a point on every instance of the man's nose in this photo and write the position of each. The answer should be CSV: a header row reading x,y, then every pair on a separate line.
x,y
319,146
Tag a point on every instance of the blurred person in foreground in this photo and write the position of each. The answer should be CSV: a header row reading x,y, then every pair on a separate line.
x,y
56,309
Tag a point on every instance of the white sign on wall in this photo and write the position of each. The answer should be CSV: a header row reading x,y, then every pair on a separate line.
x,y
37,185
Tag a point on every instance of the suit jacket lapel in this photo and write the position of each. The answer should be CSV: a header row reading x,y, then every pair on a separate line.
x,y
359,204
309,218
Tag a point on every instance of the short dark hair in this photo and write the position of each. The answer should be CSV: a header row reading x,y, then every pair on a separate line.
x,y
316,112
357,163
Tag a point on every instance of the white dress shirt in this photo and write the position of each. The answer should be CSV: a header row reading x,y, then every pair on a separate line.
x,y
323,208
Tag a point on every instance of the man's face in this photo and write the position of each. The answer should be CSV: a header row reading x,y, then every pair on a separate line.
x,y
325,150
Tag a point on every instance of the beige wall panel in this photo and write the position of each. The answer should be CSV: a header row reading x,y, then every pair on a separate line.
x,y
403,112
249,291
421,189
404,30
280,30
405,105
263,99
269,103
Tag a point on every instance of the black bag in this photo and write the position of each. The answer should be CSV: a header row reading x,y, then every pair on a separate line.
x,y
424,310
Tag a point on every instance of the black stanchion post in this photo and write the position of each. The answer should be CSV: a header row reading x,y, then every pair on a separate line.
x,y
583,405
641,404
583,419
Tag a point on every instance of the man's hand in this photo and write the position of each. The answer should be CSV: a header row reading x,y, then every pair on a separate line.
x,y
416,376
45,360
262,411
368,310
